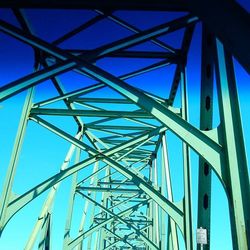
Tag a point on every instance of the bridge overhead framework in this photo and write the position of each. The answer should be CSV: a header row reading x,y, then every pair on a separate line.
x,y
106,104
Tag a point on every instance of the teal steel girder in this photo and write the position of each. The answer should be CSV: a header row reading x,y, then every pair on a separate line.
x,y
168,206
19,202
77,240
236,171
206,119
130,226
197,140
220,150
69,61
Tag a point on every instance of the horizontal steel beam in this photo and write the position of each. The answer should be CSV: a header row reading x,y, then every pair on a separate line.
x,y
125,240
20,201
133,200
129,220
135,54
130,226
93,229
228,17
169,5
101,100
90,113
112,127
196,139
116,142
175,212
75,93
103,189
116,182
134,29
71,61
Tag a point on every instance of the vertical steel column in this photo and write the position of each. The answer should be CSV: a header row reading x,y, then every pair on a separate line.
x,y
163,214
91,222
44,243
169,237
93,180
238,189
98,236
206,120
104,203
151,205
71,204
86,205
156,207
112,225
171,224
148,214
7,194
47,206
188,228
96,240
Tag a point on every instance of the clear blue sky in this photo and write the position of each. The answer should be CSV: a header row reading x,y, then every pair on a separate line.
x,y
40,159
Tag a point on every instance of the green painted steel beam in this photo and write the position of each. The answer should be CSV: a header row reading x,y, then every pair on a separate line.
x,y
130,226
220,149
129,220
49,201
187,200
134,29
19,202
33,79
69,95
60,89
45,239
115,142
117,127
167,181
122,202
186,41
78,239
206,119
169,207
69,215
84,218
236,174
79,29
156,217
173,58
90,113
116,182
233,14
147,69
108,189
201,141
72,61
7,192
101,100
120,239
196,139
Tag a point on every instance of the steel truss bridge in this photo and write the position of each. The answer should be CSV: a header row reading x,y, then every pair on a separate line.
x,y
118,144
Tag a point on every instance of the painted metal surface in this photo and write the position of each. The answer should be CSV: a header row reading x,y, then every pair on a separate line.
x,y
122,172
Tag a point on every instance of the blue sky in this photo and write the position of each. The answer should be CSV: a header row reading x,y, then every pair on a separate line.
x,y
40,159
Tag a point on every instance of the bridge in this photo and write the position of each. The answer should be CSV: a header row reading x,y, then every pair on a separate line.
x,y
109,141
